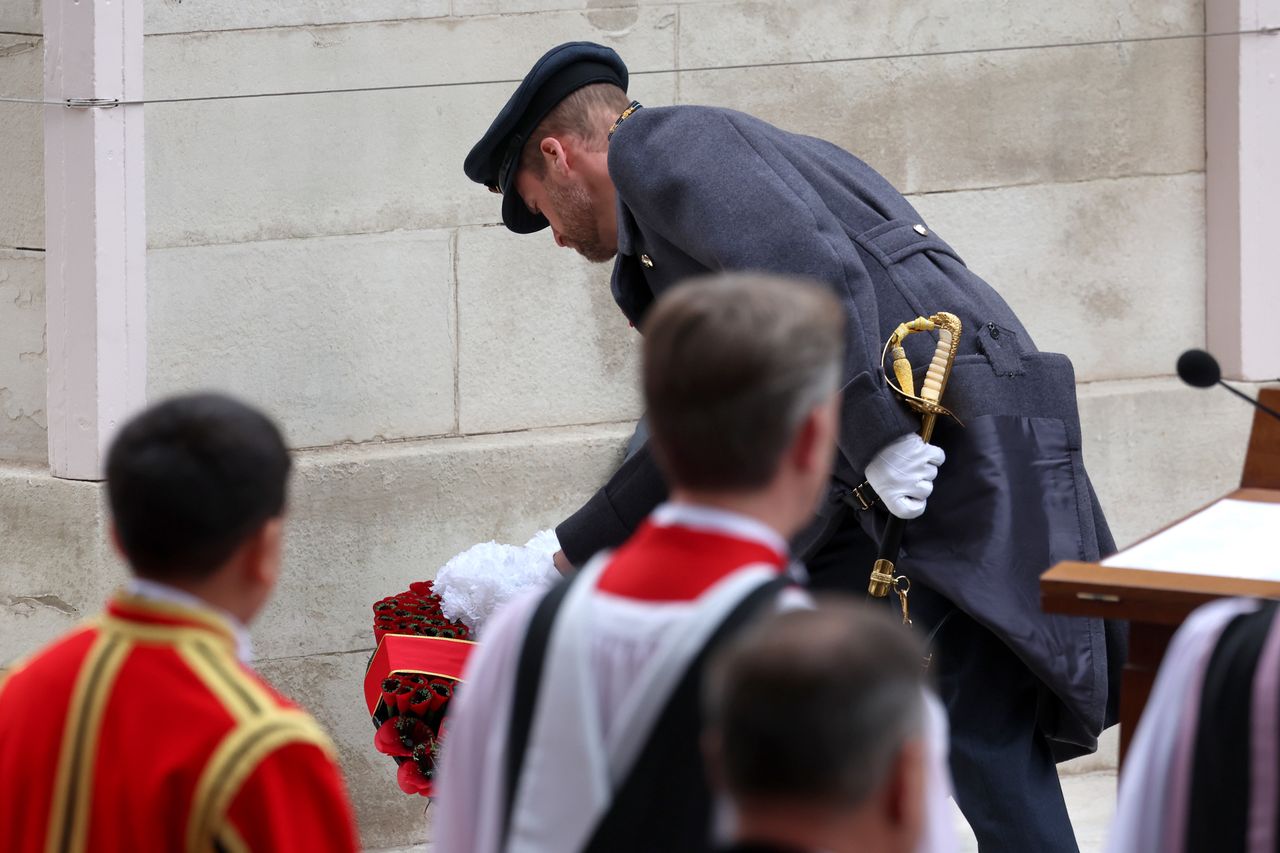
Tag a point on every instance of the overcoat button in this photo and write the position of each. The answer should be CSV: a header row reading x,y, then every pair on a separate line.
x,y
646,262
921,230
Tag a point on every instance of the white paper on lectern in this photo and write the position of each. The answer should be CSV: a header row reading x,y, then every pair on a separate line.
x,y
1230,539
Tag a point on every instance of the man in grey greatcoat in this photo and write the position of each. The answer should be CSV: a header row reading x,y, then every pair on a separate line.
x,y
669,193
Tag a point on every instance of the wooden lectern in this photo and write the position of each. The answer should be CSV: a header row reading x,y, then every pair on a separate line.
x,y
1156,603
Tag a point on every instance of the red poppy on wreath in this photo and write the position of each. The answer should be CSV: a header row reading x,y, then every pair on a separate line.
x,y
412,780
387,741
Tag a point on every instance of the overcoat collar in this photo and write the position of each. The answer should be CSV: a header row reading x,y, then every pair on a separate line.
x,y
630,289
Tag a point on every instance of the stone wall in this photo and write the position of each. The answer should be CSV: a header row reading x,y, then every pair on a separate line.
x,y
445,382
22,359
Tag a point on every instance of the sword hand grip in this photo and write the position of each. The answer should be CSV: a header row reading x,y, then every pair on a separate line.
x,y
936,377
944,356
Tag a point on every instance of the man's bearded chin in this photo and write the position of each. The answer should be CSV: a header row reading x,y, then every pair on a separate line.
x,y
580,225
597,252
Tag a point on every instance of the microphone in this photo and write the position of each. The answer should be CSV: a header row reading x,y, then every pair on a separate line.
x,y
1200,370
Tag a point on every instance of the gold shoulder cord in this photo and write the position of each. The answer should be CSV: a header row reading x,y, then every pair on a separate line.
x,y
623,116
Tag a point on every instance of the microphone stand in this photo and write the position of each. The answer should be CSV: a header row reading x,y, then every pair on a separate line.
x,y
1250,400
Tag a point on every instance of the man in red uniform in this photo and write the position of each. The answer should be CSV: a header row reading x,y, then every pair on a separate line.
x,y
145,729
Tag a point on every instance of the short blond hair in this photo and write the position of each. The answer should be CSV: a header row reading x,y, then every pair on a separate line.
x,y
733,363
585,115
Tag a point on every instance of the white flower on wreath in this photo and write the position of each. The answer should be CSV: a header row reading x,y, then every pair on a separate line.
x,y
474,584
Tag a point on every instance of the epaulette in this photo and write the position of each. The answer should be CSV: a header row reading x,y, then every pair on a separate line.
x,y
243,749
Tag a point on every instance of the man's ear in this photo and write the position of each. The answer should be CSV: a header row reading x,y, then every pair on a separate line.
x,y
117,543
555,155
263,553
806,448
815,442
904,787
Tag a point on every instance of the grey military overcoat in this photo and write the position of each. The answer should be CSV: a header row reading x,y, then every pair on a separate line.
x,y
703,189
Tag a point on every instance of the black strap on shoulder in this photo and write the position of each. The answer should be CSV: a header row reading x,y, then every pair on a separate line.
x,y
665,801
528,678
1221,790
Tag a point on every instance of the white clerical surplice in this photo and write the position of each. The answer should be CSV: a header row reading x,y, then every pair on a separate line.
x,y
598,699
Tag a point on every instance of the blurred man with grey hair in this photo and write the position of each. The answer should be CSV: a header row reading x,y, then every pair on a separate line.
x,y
816,730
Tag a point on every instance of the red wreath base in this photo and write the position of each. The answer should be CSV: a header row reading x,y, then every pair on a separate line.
x,y
410,682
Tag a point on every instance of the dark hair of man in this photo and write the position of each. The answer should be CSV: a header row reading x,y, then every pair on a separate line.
x,y
732,365
813,705
585,115
189,480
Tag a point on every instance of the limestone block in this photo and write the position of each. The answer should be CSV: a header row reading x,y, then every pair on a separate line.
x,y
541,341
21,16
329,687
367,521
56,567
175,16
341,338
463,8
470,8
271,169
770,31
1109,272
229,171
1157,450
961,122
436,51
23,424
22,141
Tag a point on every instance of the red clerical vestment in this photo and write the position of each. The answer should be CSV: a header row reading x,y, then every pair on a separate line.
x,y
142,731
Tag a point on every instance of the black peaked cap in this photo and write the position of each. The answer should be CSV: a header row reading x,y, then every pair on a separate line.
x,y
560,72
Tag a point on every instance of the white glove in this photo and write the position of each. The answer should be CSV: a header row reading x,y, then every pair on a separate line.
x,y
902,474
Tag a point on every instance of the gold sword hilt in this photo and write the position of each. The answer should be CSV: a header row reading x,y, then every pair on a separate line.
x,y
928,401
928,404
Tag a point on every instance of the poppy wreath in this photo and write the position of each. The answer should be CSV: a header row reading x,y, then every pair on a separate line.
x,y
411,679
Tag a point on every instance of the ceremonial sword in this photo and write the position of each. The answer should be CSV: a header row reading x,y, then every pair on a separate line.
x,y
884,576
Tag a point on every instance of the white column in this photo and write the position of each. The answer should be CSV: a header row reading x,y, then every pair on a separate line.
x,y
95,240
1242,130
